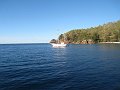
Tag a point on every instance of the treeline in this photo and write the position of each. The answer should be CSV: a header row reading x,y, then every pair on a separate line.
x,y
109,32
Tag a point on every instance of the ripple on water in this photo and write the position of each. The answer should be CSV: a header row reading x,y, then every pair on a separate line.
x,y
42,67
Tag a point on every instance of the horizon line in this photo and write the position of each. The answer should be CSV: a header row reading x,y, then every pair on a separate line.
x,y
26,43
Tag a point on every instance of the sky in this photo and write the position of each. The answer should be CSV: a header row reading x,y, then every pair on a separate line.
x,y
39,21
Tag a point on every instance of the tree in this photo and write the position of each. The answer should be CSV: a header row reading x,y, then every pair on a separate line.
x,y
109,32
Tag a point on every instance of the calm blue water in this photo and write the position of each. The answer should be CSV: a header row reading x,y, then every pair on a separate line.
x,y
77,67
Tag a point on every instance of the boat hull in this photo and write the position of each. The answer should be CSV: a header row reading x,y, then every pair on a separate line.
x,y
59,45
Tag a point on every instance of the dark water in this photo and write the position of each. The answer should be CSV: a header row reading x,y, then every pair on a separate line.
x,y
77,67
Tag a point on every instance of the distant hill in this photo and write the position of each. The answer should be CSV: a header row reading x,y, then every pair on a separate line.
x,y
109,32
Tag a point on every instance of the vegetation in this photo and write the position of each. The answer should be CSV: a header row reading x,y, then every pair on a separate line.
x,y
109,32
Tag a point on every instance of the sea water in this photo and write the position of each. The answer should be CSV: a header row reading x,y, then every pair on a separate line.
x,y
76,67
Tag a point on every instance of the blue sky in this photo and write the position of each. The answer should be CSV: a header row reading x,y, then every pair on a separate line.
x,y
37,21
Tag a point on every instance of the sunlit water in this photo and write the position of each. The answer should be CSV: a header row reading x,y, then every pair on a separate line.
x,y
76,67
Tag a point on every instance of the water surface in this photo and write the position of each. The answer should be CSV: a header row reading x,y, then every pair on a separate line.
x,y
76,67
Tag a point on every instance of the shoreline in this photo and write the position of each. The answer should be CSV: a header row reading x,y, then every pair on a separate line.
x,y
98,43
110,42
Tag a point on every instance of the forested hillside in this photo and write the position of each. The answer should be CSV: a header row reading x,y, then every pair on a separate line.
x,y
109,32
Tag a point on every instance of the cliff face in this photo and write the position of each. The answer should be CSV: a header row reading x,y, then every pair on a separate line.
x,y
109,32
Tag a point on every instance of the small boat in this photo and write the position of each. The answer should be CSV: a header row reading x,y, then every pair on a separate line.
x,y
59,44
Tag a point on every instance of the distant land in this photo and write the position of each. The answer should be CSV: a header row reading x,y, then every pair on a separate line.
x,y
106,33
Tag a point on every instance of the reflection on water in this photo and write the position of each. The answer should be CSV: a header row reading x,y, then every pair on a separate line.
x,y
110,46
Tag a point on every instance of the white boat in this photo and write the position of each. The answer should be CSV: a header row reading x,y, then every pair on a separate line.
x,y
59,44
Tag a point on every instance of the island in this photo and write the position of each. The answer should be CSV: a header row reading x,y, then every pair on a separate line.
x,y
106,33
